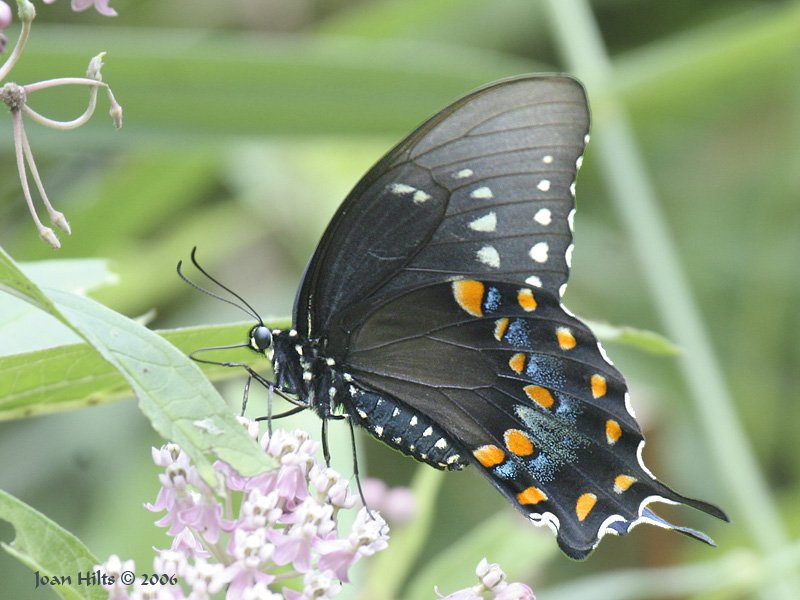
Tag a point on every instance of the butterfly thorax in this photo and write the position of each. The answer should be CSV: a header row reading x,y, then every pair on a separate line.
x,y
303,369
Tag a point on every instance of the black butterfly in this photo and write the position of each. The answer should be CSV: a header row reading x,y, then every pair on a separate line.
x,y
430,315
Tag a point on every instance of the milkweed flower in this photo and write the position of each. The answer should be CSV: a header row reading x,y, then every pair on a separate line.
x,y
493,585
285,527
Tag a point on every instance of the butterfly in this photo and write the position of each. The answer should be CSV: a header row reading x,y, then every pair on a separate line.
x,y
430,314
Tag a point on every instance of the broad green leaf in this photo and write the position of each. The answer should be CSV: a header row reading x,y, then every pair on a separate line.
x,y
14,281
23,328
173,393
76,376
46,547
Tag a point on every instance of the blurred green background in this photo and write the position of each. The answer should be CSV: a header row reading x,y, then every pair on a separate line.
x,y
247,122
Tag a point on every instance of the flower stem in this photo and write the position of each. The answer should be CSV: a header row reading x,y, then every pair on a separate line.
x,y
56,217
17,52
20,143
42,120
41,85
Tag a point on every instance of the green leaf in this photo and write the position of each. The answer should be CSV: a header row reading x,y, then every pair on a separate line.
x,y
46,547
643,339
22,327
173,394
77,376
14,281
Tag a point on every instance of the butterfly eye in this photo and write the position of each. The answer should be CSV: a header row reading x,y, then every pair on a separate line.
x,y
260,338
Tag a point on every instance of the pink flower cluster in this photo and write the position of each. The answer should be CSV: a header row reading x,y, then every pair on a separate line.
x,y
285,529
492,582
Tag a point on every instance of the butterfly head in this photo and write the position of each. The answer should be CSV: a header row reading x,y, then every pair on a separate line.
x,y
261,339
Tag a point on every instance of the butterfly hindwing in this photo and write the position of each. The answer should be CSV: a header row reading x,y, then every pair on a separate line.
x,y
523,390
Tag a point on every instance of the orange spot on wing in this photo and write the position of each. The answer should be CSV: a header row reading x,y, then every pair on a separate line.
x,y
565,338
539,395
518,442
599,386
526,300
613,431
469,295
500,327
623,482
585,505
531,495
489,456
517,362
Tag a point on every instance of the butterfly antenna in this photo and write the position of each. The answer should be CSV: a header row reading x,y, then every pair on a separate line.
x,y
247,309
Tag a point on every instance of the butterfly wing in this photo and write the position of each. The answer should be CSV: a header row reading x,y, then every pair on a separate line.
x,y
434,293
482,189
524,390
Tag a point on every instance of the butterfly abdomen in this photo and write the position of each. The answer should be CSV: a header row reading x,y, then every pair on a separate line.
x,y
404,429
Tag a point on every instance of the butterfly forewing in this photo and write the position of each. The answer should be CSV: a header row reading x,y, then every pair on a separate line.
x,y
484,188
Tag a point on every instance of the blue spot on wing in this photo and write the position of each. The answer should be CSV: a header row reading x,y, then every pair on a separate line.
x,y
493,299
545,371
567,408
507,470
542,468
518,334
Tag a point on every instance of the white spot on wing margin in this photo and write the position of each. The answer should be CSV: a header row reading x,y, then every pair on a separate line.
x,y
543,216
538,252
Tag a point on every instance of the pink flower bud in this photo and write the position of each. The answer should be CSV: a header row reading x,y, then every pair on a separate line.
x,y
5,15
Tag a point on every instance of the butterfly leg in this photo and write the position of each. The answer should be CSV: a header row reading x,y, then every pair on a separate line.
x,y
246,394
355,467
327,455
326,451
270,385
